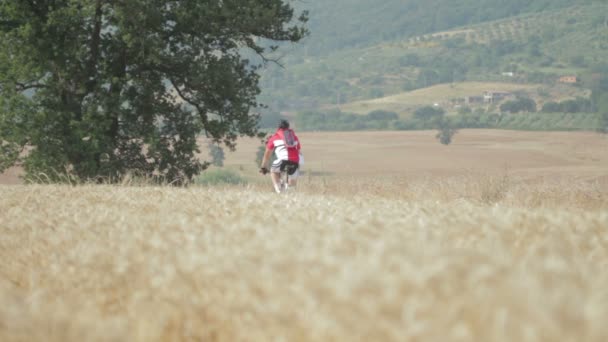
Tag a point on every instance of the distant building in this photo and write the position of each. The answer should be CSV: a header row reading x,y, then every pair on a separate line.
x,y
494,96
568,79
508,74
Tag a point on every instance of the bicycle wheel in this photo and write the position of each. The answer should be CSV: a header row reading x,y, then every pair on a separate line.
x,y
284,181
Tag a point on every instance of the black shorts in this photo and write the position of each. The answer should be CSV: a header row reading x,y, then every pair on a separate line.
x,y
289,166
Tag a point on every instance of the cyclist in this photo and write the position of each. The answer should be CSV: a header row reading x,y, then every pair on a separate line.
x,y
286,146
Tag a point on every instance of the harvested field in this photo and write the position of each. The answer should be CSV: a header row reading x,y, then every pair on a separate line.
x,y
417,154
582,155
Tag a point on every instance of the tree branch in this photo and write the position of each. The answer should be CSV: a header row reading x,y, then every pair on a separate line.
x,y
95,41
260,52
25,86
184,97
196,105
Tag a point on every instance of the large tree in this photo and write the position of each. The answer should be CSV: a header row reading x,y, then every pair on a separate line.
x,y
101,88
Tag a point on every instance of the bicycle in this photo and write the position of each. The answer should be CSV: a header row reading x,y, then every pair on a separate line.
x,y
287,169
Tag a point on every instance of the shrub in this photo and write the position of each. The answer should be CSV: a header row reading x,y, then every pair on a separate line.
x,y
445,131
220,177
551,107
382,115
217,154
428,113
465,110
522,104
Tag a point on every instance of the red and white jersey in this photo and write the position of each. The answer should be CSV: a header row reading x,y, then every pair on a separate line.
x,y
286,145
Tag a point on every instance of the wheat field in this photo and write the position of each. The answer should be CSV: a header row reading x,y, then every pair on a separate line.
x,y
478,259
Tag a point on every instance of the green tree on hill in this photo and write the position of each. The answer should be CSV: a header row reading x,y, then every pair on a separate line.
x,y
103,88
217,154
599,98
603,114
382,115
597,79
551,107
428,113
578,105
521,104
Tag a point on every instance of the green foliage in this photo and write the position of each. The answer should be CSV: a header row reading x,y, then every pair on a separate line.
x,y
354,23
579,61
375,93
521,104
447,126
336,120
551,107
382,115
410,59
90,87
602,104
220,177
217,154
465,110
270,119
599,96
534,40
578,105
428,113
259,155
548,121
445,131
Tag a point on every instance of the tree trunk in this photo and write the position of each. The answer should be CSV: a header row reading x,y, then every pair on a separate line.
x,y
91,80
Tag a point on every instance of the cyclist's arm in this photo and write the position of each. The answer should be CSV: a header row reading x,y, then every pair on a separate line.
x,y
266,157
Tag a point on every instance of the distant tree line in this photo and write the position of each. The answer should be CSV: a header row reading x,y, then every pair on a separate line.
x,y
430,117
578,105
335,120
520,113
521,104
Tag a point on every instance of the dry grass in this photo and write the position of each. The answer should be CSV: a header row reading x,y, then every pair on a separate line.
x,y
478,189
477,259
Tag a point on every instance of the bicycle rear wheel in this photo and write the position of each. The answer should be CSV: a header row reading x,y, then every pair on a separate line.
x,y
284,181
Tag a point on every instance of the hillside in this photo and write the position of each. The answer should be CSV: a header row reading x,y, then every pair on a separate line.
x,y
536,46
344,24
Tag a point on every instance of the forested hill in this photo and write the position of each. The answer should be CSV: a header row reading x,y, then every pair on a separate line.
x,y
340,24
362,49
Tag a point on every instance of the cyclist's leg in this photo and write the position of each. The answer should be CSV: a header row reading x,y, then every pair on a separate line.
x,y
276,180
275,175
293,179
